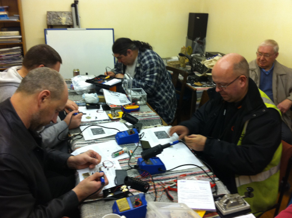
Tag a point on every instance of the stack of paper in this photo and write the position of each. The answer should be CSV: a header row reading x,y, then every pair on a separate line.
x,y
10,57
10,39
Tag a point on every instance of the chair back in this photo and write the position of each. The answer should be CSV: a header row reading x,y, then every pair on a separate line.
x,y
204,98
285,169
179,79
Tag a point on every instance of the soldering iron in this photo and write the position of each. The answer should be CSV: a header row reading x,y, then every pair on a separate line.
x,y
152,152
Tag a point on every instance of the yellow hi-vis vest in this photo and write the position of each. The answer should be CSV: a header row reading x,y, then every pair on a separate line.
x,y
266,183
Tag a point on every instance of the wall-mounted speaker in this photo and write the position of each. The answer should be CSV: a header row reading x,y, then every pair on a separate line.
x,y
197,27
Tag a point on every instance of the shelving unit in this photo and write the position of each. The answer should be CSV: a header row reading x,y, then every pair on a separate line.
x,y
15,7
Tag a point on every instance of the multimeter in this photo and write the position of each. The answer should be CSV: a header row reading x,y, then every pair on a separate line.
x,y
131,207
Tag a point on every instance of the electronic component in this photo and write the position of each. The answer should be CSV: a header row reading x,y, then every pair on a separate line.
x,y
153,165
126,137
92,106
130,108
232,205
131,207
119,152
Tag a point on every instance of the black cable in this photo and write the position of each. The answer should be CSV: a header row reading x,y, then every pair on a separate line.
x,y
80,134
208,166
141,135
132,156
100,199
67,127
91,194
212,179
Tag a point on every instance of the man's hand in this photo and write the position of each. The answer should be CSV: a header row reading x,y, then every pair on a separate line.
x,y
110,73
120,75
89,185
196,142
75,121
182,131
89,159
70,106
285,105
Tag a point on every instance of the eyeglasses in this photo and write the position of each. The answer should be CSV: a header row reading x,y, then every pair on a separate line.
x,y
220,86
259,54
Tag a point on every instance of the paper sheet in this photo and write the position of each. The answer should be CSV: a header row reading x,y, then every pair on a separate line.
x,y
93,114
98,131
112,82
115,98
173,156
105,150
196,194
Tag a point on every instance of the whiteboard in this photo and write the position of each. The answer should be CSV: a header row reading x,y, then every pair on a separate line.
x,y
89,50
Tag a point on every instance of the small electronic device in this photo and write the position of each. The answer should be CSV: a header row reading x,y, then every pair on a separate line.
x,y
126,137
153,166
130,108
231,205
131,207
92,106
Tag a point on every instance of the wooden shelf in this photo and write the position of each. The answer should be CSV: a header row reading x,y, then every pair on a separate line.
x,y
14,7
9,21
14,43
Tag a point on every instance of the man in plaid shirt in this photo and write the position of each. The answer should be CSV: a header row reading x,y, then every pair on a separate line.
x,y
148,71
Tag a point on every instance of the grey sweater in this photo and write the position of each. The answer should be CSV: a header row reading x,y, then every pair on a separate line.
x,y
9,82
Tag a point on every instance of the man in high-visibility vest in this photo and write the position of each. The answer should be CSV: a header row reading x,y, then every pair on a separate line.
x,y
238,133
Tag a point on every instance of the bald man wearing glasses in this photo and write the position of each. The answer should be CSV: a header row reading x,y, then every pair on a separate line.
x,y
238,133
275,80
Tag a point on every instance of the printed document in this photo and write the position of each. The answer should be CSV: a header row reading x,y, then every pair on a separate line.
x,y
196,194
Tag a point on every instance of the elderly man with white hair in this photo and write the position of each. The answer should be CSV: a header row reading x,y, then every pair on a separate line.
x,y
275,80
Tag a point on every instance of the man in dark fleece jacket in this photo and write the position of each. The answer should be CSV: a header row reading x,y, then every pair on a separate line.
x,y
238,133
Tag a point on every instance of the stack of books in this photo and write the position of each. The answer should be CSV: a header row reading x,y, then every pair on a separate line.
x,y
10,57
3,13
10,37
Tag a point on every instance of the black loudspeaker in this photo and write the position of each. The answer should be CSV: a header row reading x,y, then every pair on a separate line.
x,y
197,25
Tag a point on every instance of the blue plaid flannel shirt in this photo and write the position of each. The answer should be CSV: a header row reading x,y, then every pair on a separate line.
x,y
152,76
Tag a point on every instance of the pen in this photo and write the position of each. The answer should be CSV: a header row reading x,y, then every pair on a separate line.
x,y
79,113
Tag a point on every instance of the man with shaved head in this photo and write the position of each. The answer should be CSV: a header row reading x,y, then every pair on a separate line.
x,y
238,133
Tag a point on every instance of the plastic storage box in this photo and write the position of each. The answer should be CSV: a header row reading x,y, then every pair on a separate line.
x,y
138,95
169,210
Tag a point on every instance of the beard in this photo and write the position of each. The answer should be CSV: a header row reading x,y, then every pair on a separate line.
x,y
36,123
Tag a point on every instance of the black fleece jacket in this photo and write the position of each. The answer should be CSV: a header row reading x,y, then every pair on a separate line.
x,y
222,123
24,190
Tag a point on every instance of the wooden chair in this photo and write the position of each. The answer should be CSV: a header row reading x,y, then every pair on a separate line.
x,y
179,79
204,98
285,169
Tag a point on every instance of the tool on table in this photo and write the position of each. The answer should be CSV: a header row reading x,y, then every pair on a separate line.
x,y
119,152
129,136
234,204
149,162
131,207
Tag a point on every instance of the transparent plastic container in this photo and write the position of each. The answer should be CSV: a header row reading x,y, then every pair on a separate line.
x,y
169,210
138,95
